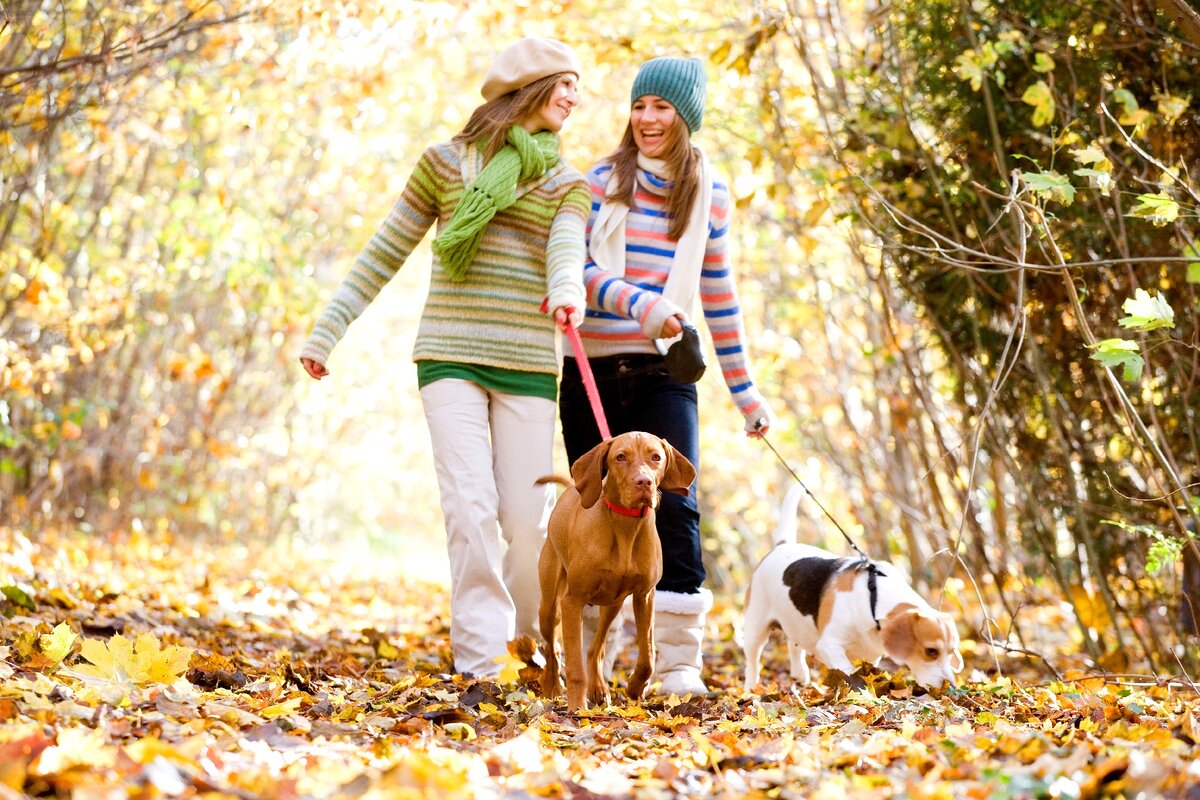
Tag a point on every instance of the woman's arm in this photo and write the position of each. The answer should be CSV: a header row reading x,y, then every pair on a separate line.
x,y
565,251
379,261
723,314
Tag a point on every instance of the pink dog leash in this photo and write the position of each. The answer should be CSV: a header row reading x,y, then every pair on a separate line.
x,y
589,380
585,371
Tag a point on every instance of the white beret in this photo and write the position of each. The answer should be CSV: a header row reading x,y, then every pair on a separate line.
x,y
526,61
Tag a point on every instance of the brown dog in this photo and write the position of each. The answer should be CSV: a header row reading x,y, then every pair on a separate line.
x,y
599,553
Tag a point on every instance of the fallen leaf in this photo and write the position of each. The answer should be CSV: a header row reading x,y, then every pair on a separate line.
x,y
58,643
145,661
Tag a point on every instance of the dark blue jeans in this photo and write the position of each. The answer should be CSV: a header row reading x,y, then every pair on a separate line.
x,y
638,395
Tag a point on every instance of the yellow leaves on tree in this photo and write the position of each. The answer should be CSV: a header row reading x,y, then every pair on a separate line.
x,y
1041,98
143,661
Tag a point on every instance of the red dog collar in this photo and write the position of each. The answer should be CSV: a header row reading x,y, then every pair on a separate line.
x,y
627,512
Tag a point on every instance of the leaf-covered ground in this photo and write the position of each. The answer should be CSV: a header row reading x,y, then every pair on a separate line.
x,y
150,668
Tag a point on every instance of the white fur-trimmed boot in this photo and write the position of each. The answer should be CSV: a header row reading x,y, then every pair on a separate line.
x,y
678,638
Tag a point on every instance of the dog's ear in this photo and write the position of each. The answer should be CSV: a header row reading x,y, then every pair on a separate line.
x,y
588,473
899,634
678,473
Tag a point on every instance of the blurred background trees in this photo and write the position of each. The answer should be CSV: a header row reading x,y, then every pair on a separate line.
x,y
1027,170
964,232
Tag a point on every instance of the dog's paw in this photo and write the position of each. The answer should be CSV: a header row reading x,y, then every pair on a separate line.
x,y
598,697
636,687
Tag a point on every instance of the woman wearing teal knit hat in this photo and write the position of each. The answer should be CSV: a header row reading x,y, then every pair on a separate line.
x,y
657,242
510,217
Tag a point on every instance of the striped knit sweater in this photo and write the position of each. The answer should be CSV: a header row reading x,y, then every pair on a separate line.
x,y
531,250
624,315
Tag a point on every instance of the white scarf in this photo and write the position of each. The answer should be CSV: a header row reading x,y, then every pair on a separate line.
x,y
607,243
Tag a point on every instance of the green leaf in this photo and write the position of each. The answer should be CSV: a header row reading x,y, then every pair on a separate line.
x,y
1131,113
1038,95
1164,550
17,596
1129,103
1043,63
1147,313
1158,208
1193,267
1123,353
969,67
1050,185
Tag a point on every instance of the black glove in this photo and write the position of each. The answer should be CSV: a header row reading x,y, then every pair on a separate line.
x,y
685,358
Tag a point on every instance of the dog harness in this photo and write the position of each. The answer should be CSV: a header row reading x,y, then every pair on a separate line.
x,y
873,573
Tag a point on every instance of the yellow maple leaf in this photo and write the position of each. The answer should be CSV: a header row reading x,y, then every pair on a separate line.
x,y
58,643
75,747
461,731
143,751
510,669
159,664
1041,98
145,661
289,706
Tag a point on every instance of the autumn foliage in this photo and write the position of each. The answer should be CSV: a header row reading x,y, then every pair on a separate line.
x,y
166,669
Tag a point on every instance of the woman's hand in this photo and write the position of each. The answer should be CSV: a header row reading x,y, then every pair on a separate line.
x,y
565,314
673,326
314,368
758,428
759,422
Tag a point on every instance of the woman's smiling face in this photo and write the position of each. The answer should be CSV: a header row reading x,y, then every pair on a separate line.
x,y
651,118
556,109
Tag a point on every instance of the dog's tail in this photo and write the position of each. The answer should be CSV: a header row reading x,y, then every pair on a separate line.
x,y
542,481
785,530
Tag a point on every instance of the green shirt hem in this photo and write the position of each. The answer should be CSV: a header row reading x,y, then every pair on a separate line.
x,y
497,379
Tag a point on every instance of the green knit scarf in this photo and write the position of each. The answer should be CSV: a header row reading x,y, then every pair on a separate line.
x,y
526,155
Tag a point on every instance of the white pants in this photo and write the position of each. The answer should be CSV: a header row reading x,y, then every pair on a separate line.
x,y
488,449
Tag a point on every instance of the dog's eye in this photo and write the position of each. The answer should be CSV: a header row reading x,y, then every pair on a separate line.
x,y
621,457
656,457
931,653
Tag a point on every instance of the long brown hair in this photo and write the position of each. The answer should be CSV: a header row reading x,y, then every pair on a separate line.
x,y
489,123
682,161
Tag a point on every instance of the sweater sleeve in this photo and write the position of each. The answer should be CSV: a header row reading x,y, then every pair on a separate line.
x,y
565,251
612,295
387,250
723,314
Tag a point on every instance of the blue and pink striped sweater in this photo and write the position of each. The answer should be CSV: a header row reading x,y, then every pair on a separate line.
x,y
624,314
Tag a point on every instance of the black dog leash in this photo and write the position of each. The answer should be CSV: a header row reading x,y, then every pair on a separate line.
x,y
873,572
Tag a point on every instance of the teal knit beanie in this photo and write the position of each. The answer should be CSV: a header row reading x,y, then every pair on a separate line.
x,y
679,81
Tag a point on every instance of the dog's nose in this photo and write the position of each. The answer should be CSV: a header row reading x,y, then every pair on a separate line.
x,y
643,480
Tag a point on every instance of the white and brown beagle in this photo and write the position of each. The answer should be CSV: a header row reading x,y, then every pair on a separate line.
x,y
843,610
